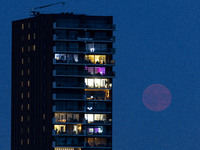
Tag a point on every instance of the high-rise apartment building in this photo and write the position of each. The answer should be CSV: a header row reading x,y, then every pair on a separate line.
x,y
62,78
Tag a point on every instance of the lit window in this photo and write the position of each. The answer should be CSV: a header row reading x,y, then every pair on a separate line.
x,y
22,26
21,141
28,71
28,95
96,59
28,141
44,116
22,72
22,84
34,36
22,49
28,106
29,48
97,83
22,61
28,83
34,47
29,36
22,118
22,95
21,107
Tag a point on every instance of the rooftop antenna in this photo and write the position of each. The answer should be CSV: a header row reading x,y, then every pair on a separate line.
x,y
33,12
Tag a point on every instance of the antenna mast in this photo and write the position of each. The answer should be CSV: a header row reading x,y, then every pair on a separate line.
x,y
33,12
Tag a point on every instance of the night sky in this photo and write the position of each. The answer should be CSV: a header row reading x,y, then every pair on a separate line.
x,y
157,42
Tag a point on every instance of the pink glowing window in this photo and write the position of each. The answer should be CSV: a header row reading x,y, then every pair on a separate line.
x,y
96,70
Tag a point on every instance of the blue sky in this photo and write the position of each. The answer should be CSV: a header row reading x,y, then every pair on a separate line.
x,y
157,42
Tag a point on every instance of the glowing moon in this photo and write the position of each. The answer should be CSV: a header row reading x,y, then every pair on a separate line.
x,y
156,97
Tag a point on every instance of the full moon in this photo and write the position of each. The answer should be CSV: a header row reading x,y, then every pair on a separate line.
x,y
156,97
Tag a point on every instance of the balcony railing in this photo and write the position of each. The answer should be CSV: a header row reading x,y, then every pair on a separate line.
x,y
107,121
107,86
68,96
68,85
62,25
96,97
82,50
68,120
81,73
83,62
65,143
59,132
83,38
98,145
106,133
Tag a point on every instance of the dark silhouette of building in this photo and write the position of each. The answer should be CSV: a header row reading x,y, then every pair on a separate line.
x,y
62,76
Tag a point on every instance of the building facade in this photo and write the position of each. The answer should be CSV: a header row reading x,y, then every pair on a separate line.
x,y
62,79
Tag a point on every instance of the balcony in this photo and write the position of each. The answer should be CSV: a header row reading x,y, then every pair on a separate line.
x,y
84,50
68,50
57,120
99,145
83,39
64,143
68,85
88,26
68,97
66,148
98,132
68,133
98,98
83,62
84,73
79,109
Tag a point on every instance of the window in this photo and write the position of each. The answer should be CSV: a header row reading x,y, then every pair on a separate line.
x,y
28,95
96,59
22,61
22,49
29,60
95,70
34,36
21,130
29,36
29,25
34,47
21,107
22,95
28,130
21,141
22,38
44,116
97,83
95,117
28,118
22,26
43,128
28,141
28,71
22,73
28,83
28,106
29,48
22,118
67,58
22,84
